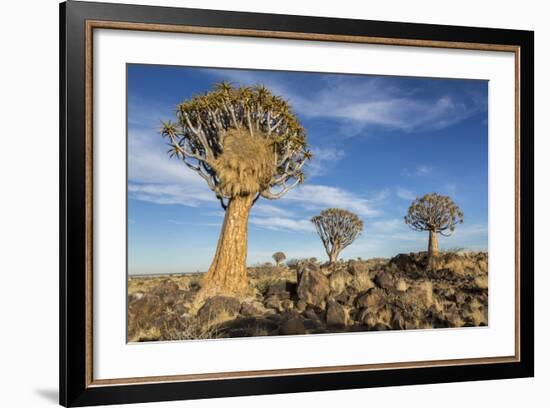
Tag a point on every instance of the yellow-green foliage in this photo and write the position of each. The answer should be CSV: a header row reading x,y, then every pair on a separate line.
x,y
434,212
241,141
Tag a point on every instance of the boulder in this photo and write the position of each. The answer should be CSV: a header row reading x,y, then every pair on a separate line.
x,y
252,309
401,285
337,315
346,297
146,306
219,308
357,267
166,287
339,280
384,280
301,306
287,305
279,289
248,327
292,326
311,314
397,322
371,300
362,281
372,317
423,293
273,302
306,267
313,287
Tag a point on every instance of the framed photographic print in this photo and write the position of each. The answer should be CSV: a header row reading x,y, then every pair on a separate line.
x,y
256,204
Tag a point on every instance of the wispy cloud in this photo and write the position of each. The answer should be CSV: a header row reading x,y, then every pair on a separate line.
x,y
323,159
373,101
200,224
271,210
387,225
169,194
318,197
283,224
418,171
405,194
154,177
146,113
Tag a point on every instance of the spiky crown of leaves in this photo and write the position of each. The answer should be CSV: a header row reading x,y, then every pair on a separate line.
x,y
434,212
279,255
337,226
203,121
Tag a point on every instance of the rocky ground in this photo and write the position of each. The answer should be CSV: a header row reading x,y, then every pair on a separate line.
x,y
308,297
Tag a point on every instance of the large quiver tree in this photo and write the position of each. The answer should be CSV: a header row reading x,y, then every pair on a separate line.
x,y
245,143
436,214
337,229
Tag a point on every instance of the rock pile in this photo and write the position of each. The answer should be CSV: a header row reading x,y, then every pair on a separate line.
x,y
378,294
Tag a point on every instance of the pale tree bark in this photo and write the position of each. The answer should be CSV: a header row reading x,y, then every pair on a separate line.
x,y
333,254
433,249
245,143
227,273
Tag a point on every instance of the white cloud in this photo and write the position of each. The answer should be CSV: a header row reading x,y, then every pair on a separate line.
x,y
386,226
283,224
323,158
319,197
169,194
266,209
374,101
155,177
405,194
470,231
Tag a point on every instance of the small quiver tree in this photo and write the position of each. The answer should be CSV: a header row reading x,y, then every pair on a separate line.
x,y
278,257
436,214
338,229
245,143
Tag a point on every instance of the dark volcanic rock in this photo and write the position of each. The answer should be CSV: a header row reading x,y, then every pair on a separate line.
x,y
254,308
356,267
280,289
384,280
337,315
376,294
247,327
398,322
313,288
166,287
372,299
215,306
273,302
292,326
338,281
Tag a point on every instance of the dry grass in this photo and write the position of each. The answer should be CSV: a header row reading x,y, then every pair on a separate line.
x,y
147,283
246,165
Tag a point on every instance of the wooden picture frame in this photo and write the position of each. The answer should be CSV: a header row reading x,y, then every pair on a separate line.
x,y
78,20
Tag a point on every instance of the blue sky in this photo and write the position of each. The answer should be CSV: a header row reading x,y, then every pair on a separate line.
x,y
378,142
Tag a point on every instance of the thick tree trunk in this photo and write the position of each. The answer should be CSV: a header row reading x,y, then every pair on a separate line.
x,y
333,254
227,273
433,249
